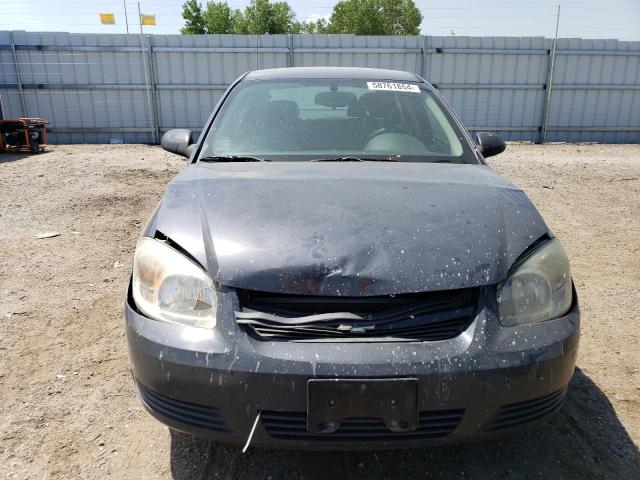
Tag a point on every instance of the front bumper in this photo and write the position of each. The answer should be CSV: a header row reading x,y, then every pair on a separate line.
x,y
212,383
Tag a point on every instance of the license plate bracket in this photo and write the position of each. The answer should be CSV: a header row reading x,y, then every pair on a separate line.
x,y
331,401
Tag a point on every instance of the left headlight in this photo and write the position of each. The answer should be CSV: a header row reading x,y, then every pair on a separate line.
x,y
168,286
539,289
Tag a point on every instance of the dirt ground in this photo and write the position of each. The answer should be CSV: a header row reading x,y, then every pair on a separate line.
x,y
67,403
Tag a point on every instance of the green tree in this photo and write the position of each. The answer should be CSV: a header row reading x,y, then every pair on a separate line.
x,y
262,16
319,26
375,17
359,17
240,24
401,17
219,18
259,17
283,18
194,18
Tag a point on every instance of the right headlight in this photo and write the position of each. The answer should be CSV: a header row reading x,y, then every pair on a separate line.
x,y
539,289
169,287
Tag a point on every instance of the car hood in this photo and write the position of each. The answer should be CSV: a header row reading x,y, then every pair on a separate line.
x,y
348,228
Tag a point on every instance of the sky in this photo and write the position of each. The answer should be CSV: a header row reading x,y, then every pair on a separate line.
x,y
617,19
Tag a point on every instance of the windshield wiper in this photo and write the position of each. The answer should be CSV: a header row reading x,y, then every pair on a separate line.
x,y
232,158
353,159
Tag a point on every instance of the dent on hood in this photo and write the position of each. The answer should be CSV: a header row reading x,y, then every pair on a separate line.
x,y
328,230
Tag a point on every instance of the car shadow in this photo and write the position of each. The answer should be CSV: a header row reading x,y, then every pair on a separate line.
x,y
584,440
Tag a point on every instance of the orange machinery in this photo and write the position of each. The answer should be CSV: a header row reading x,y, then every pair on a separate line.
x,y
23,135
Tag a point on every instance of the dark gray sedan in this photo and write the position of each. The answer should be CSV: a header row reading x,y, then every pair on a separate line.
x,y
338,268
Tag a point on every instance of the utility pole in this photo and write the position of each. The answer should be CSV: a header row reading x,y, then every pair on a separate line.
x,y
126,19
147,79
547,102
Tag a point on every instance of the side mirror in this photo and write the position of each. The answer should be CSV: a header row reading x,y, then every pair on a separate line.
x,y
178,141
489,144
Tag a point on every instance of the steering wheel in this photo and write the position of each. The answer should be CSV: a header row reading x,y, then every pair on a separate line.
x,y
376,133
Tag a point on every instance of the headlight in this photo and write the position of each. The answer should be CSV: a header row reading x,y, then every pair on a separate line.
x,y
168,286
539,289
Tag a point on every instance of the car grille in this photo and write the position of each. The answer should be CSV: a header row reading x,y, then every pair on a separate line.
x,y
293,426
427,316
517,414
199,416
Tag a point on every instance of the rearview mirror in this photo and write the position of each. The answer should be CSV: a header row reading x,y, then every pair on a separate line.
x,y
178,141
335,99
489,144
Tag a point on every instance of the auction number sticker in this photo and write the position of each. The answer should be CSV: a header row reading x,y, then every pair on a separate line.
x,y
394,87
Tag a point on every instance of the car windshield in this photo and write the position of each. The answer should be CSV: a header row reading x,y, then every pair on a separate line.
x,y
334,120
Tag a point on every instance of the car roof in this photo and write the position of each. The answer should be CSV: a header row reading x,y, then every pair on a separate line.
x,y
332,72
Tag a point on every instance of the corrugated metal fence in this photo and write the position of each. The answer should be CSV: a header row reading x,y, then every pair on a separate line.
x,y
100,88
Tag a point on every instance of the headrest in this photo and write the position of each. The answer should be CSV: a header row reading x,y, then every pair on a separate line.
x,y
373,104
356,109
377,104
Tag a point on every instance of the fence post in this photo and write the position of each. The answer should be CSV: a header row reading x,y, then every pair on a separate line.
x,y
147,81
426,72
423,55
16,64
154,96
290,46
547,98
